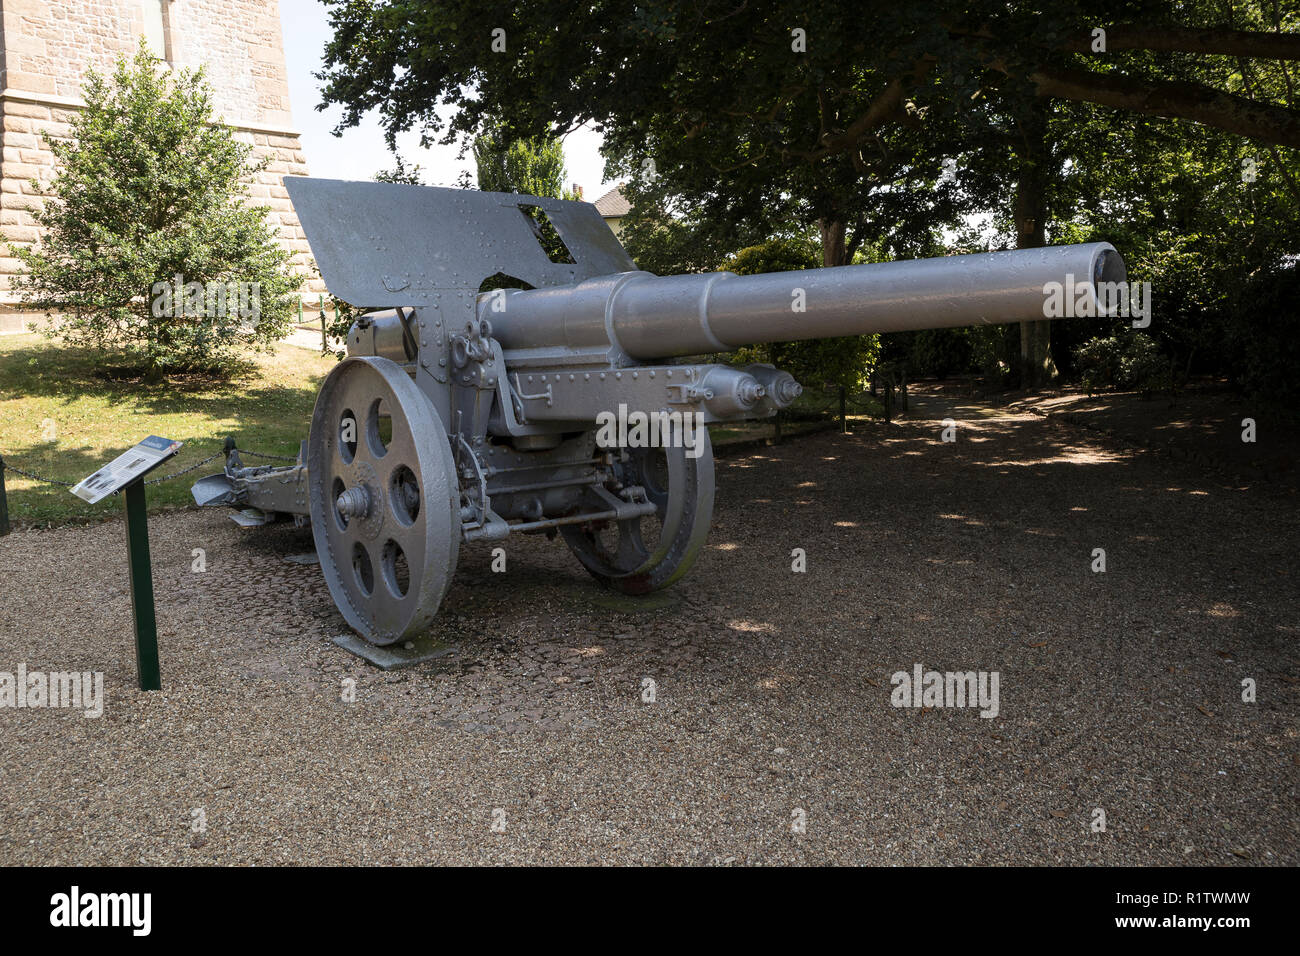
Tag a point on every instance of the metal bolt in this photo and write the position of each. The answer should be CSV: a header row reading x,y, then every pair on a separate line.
x,y
750,392
354,503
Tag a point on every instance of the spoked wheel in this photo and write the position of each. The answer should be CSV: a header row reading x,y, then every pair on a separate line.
x,y
645,554
384,499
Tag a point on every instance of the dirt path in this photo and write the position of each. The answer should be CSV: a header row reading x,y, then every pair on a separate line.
x,y
1119,691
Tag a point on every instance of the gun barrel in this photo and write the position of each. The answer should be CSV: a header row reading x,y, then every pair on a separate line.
x,y
652,317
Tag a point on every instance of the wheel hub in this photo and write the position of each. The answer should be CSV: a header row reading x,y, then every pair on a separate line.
x,y
354,503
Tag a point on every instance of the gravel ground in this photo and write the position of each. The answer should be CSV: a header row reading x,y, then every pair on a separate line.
x,y
1204,424
1119,691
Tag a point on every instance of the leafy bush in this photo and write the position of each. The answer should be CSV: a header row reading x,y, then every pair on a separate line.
x,y
815,363
149,247
1099,363
994,350
1264,339
941,352
1124,362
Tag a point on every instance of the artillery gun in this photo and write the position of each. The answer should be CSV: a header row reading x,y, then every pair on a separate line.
x,y
467,413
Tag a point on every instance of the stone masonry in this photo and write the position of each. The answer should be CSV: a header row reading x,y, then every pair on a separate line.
x,y
45,48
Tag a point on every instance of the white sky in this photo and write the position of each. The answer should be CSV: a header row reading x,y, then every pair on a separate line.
x,y
360,152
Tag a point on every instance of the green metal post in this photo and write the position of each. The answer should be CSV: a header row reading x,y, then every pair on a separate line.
x,y
142,608
4,502
324,339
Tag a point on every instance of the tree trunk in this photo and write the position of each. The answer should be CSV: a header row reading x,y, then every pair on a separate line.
x,y
834,251
1036,365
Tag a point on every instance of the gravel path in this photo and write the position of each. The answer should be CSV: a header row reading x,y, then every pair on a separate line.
x,y
1119,691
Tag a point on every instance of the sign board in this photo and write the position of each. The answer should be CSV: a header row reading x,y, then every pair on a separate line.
x,y
126,468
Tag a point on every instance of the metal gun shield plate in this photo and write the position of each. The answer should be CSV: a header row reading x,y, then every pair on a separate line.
x,y
405,245
384,505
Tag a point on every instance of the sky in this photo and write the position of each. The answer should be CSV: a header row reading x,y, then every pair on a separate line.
x,y
361,152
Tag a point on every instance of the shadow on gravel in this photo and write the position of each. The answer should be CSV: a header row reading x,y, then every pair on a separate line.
x,y
691,731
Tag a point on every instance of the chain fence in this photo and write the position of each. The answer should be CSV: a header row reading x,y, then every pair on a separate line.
x,y
7,466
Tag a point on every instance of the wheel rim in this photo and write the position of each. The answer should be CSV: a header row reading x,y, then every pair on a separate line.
x,y
645,554
384,499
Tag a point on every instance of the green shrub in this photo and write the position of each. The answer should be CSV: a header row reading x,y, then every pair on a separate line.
x,y
149,247
941,352
1129,361
1099,362
816,363
1264,338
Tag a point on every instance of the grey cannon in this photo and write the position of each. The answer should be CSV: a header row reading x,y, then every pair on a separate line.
x,y
512,372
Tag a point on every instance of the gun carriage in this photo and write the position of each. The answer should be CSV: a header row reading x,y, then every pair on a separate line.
x,y
465,414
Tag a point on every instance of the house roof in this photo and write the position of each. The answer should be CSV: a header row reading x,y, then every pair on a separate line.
x,y
613,204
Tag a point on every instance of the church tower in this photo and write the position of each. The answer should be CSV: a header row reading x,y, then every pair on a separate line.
x,y
46,47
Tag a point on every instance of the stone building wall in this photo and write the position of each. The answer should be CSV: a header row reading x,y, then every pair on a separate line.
x,y
45,48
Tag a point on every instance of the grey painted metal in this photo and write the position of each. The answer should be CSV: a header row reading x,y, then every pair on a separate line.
x,y
633,511
643,316
269,488
373,506
388,244
645,554
574,395
213,490
493,399
393,656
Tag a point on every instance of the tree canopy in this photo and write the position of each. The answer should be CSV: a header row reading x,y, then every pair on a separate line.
x,y
532,165
888,124
806,100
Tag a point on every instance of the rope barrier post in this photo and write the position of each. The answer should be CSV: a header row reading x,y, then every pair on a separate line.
x,y
324,339
4,502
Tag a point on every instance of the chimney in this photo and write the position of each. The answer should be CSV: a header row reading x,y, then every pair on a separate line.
x,y
577,190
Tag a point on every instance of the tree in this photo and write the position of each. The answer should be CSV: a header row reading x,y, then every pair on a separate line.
x,y
149,247
533,166
1209,220
842,363
790,84
412,175
827,114
668,239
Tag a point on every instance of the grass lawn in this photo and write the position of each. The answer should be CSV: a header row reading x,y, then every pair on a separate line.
x,y
813,410
48,391
62,417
